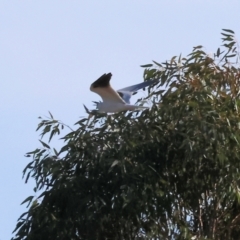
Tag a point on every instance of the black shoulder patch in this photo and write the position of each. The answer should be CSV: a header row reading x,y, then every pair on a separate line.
x,y
103,81
120,94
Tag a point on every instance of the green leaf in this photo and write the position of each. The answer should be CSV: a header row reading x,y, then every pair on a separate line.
x,y
28,199
27,177
146,65
22,215
86,109
228,30
19,224
46,130
42,194
55,151
197,47
35,151
44,144
50,115
54,131
226,35
230,56
158,64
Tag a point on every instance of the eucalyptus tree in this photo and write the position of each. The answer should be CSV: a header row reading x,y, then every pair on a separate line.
x,y
168,172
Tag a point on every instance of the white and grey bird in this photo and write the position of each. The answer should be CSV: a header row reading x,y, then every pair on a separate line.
x,y
116,101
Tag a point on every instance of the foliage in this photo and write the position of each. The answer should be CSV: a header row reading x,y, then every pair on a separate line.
x,y
169,172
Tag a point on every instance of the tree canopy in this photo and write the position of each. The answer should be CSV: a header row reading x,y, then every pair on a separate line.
x,y
169,172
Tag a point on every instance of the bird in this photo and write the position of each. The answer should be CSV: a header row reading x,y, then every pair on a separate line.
x,y
116,101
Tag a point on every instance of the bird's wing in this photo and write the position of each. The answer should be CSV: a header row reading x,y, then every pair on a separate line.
x,y
103,88
126,93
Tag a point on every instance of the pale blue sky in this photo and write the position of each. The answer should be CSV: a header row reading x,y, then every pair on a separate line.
x,y
51,51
